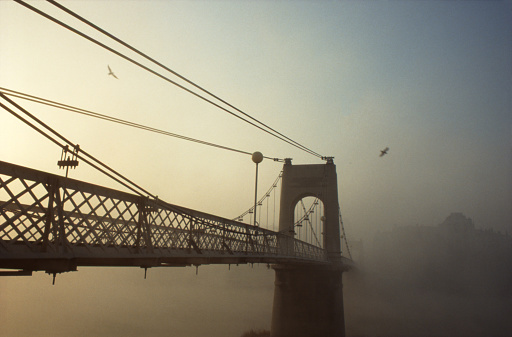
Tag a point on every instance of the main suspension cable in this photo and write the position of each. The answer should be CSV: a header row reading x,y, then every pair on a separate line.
x,y
89,113
159,75
343,233
77,16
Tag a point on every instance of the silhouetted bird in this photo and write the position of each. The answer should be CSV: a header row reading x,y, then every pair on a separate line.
x,y
110,72
383,152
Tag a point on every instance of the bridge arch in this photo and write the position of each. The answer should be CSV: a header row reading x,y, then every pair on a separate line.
x,y
308,220
299,181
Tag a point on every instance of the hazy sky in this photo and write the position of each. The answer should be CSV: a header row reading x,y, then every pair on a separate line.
x,y
430,79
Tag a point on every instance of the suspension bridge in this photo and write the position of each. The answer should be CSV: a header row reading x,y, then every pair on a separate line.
x,y
56,224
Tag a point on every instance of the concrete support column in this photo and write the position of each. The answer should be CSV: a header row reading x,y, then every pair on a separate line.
x,y
308,302
308,299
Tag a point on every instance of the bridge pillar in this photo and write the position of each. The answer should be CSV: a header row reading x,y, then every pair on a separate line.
x,y
308,302
308,299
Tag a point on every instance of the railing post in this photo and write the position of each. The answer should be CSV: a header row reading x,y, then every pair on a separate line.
x,y
62,240
143,227
49,218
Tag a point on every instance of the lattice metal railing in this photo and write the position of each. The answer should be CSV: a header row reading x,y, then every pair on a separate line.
x,y
44,216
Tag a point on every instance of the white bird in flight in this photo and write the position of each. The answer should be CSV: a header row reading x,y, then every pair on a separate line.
x,y
110,72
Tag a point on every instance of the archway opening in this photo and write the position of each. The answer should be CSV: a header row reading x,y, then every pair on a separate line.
x,y
308,221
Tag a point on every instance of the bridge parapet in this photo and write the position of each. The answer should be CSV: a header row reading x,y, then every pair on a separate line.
x,y
53,223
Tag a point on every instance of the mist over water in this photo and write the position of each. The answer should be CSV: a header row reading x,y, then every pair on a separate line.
x,y
418,280
446,280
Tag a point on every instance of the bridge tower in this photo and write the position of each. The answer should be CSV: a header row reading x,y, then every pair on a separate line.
x,y
308,299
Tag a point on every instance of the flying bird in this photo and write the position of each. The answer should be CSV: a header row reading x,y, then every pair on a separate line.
x,y
383,152
110,72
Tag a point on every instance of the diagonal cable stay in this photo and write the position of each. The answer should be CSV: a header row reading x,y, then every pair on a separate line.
x,y
120,178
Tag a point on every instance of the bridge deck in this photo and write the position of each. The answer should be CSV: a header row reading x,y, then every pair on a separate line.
x,y
52,223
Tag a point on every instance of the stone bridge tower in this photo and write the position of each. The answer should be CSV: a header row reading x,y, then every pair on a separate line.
x,y
308,299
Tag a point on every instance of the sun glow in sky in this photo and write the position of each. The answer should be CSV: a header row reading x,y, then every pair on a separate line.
x,y
431,80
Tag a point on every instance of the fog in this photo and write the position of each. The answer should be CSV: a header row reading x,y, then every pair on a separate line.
x,y
431,80
120,302
432,281
409,281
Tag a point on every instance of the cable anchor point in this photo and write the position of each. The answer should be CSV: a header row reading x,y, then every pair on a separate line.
x,y
68,158
329,160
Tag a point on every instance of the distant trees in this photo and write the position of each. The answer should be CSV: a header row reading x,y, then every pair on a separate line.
x,y
453,258
256,333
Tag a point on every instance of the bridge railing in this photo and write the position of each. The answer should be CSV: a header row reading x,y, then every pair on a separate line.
x,y
49,217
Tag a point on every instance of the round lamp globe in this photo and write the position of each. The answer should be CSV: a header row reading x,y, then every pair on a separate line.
x,y
257,157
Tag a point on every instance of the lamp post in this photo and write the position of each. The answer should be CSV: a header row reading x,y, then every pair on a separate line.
x,y
257,157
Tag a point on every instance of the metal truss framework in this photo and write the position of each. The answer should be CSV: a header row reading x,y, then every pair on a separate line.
x,y
55,224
